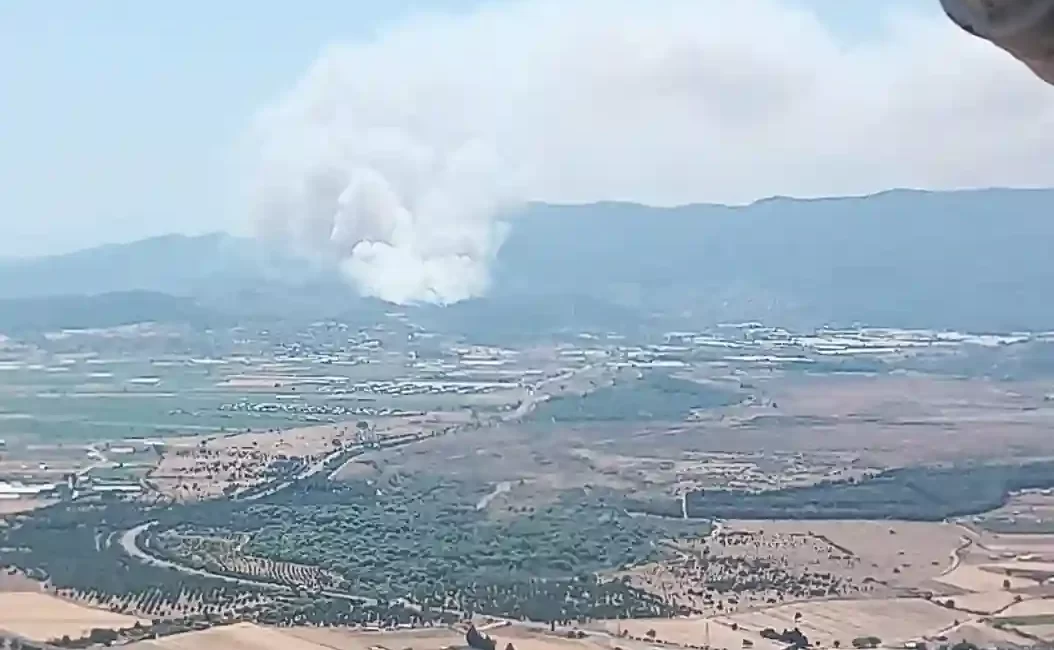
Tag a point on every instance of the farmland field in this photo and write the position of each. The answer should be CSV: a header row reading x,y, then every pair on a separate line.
x,y
893,621
1026,513
254,637
753,564
270,482
690,631
1031,608
42,617
234,637
824,623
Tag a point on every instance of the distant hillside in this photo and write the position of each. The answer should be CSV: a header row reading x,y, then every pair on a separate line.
x,y
18,315
971,260
175,264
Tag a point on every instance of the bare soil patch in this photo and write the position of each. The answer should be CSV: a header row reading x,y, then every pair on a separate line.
x,y
1038,607
13,580
895,553
690,632
353,639
245,636
1013,545
41,617
986,602
824,623
976,578
751,564
892,620
16,506
983,635
522,638
206,467
1020,564
529,639
1030,513
1044,632
242,636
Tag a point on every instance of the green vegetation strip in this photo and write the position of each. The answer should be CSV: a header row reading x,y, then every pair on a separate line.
x,y
911,494
1024,621
408,537
654,396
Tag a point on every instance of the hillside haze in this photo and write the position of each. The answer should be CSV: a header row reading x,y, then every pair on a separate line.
x,y
968,260
975,259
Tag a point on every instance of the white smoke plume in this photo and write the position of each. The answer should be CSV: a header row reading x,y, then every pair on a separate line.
x,y
396,157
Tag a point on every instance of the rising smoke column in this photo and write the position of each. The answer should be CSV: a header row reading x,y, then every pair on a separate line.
x,y
372,166
395,159
406,208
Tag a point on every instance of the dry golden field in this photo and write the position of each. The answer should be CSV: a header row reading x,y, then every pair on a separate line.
x,y
766,563
40,616
245,636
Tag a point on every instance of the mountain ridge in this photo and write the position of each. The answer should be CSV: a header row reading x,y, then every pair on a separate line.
x,y
975,259
218,236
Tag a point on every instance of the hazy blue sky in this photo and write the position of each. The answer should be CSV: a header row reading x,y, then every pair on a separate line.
x,y
117,116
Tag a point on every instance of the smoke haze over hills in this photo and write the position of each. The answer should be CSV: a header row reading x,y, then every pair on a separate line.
x,y
977,260
398,160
